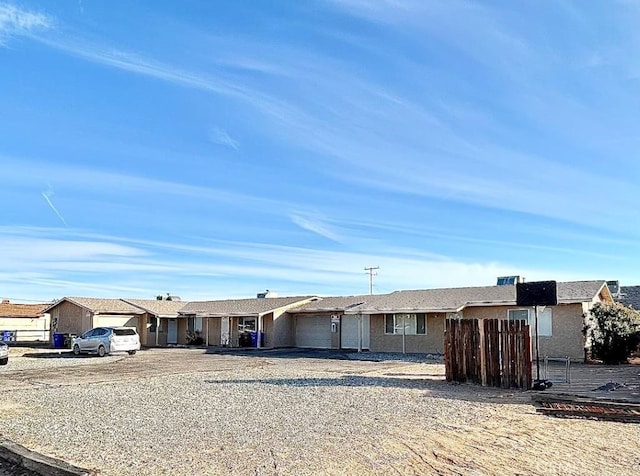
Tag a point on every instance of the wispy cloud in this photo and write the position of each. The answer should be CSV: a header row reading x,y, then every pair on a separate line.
x,y
221,137
66,261
15,21
315,225
139,64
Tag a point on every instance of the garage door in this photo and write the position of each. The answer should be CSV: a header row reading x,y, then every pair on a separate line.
x,y
115,321
349,332
313,331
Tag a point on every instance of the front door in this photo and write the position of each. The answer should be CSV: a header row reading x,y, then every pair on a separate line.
x,y
172,331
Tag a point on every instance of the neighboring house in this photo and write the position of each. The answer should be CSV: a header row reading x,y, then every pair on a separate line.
x,y
76,315
162,322
629,296
227,322
23,322
415,319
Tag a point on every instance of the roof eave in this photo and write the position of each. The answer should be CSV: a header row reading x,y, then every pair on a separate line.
x,y
60,301
398,310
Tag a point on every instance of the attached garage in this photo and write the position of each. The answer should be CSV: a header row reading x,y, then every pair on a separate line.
x,y
349,332
313,331
105,320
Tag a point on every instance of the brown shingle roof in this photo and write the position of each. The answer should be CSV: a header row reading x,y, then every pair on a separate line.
x,y
241,307
22,310
442,300
630,296
333,303
579,291
103,305
446,299
160,308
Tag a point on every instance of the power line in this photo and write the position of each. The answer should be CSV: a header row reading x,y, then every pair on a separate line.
x,y
39,301
371,270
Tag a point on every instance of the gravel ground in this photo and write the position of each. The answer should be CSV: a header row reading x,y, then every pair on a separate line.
x,y
247,415
390,356
26,359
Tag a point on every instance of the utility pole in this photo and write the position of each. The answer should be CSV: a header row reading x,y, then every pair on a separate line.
x,y
371,270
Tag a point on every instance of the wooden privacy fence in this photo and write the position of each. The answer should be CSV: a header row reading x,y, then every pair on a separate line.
x,y
489,352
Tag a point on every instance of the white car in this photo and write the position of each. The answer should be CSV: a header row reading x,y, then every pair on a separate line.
x,y
106,340
4,353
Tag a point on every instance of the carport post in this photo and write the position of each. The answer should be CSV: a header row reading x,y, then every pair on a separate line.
x,y
157,329
359,316
258,330
404,333
207,338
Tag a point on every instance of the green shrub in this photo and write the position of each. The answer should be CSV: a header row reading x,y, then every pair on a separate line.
x,y
614,332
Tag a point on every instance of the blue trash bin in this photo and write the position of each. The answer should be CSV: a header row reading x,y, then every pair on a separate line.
x,y
254,339
58,340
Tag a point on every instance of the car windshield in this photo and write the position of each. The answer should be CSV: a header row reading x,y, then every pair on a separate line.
x,y
124,332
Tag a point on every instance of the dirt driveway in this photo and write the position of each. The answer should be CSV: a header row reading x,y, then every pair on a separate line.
x,y
183,411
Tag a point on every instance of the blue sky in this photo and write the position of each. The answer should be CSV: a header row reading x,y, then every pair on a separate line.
x,y
215,149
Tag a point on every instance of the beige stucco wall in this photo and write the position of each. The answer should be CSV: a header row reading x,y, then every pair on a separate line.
x,y
566,326
283,329
431,343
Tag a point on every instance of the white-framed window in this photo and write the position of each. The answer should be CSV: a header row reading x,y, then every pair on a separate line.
x,y
410,324
246,324
545,320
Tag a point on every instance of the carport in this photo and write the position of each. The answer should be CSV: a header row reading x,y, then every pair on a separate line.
x,y
228,322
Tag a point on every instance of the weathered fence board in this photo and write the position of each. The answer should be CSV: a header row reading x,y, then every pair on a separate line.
x,y
489,352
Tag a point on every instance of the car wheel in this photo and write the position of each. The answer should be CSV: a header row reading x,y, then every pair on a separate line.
x,y
131,352
4,361
102,351
76,349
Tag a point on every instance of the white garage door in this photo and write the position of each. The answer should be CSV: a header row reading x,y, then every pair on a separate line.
x,y
313,331
115,321
349,332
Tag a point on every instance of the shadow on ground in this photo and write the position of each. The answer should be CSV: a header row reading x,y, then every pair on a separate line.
x,y
329,354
